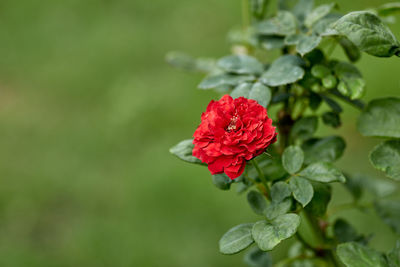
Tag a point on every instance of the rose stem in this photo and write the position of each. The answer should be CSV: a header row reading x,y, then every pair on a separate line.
x,y
260,174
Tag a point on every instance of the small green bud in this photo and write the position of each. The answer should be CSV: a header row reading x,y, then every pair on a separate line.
x,y
320,71
329,81
316,88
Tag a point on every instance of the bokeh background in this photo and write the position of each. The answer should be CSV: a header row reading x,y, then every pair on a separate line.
x,y
88,111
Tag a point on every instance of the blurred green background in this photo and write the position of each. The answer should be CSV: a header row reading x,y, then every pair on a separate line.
x,y
88,111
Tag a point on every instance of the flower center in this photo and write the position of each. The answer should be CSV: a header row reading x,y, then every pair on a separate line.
x,y
232,124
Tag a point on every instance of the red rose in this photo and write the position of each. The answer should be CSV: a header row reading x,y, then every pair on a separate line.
x,y
231,132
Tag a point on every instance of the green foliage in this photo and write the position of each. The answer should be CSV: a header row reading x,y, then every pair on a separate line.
x,y
393,256
222,181
304,128
188,63
332,119
351,51
317,14
386,157
303,85
258,8
381,118
327,149
256,202
260,93
285,70
359,184
344,232
258,258
323,172
368,33
240,64
275,209
280,191
351,83
320,71
292,159
214,81
389,8
183,150
242,89
268,234
322,197
256,91
283,24
389,211
236,239
304,43
302,190
356,255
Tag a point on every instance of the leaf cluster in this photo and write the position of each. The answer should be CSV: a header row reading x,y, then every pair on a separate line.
x,y
289,186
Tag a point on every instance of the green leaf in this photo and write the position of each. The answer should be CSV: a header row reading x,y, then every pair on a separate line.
x,y
236,239
258,7
275,209
292,39
292,159
304,128
240,64
389,211
351,51
283,24
302,190
268,235
332,104
183,150
224,79
378,187
280,191
303,8
222,181
242,89
257,258
344,232
322,197
242,184
368,33
331,119
388,9
323,172
260,93
315,100
272,42
323,26
386,157
185,62
318,13
326,149
351,82
381,118
285,70
394,256
356,255
256,202
307,43
240,36
272,167
354,186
